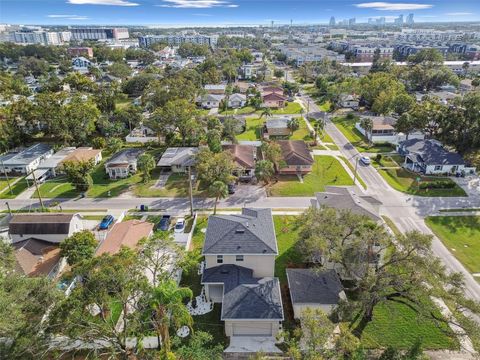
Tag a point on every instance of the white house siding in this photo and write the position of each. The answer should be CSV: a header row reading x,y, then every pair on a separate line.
x,y
262,265
252,327
443,169
214,292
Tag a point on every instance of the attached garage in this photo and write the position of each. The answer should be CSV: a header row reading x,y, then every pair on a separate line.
x,y
252,328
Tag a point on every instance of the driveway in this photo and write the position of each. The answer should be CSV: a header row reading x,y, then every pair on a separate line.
x,y
252,344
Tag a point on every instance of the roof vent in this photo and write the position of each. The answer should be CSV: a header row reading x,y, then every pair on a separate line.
x,y
240,231
264,251
246,224
238,247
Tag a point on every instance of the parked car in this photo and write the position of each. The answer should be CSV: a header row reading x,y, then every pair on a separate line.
x,y
365,160
180,225
106,222
164,223
231,188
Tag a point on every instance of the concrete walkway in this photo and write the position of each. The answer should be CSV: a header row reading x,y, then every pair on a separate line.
x,y
252,344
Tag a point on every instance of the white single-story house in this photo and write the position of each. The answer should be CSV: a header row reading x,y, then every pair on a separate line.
x,y
141,134
178,159
237,101
383,131
315,289
276,127
123,163
218,89
25,161
431,158
210,101
349,101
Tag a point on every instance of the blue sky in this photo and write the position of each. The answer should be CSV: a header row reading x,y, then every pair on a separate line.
x,y
227,12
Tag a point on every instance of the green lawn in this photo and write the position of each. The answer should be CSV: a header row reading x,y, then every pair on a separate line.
x,y
253,129
57,188
397,325
347,127
405,181
245,110
325,106
287,235
290,108
17,188
352,169
461,235
385,161
203,112
326,171
104,187
303,133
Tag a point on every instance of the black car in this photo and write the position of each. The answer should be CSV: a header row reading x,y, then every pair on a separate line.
x,y
231,189
164,223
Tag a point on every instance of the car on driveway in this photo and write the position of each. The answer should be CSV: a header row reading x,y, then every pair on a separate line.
x,y
164,223
106,222
231,188
180,225
365,160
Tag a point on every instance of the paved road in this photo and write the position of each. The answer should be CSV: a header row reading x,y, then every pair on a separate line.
x,y
406,211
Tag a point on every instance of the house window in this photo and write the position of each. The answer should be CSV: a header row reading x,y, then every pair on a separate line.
x,y
219,259
438,167
239,258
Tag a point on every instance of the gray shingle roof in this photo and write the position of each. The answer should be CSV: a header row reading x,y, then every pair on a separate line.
x,y
251,232
26,156
431,152
309,286
125,157
245,297
278,123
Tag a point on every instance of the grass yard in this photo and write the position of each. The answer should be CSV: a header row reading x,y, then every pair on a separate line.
x,y
57,188
461,235
347,127
245,110
385,161
290,108
352,169
253,129
104,187
303,133
17,188
326,171
326,106
405,181
287,235
397,325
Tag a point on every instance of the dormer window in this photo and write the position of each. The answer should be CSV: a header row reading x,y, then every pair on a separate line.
x,y
219,259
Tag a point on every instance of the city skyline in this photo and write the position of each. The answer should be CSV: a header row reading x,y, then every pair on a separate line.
x,y
228,12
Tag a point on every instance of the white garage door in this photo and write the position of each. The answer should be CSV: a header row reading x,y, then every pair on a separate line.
x,y
252,329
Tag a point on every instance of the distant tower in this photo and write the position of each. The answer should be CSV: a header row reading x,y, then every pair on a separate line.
x,y
410,20
399,20
332,21
352,21
272,24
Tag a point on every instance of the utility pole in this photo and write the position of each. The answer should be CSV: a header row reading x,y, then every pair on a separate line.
x,y
190,189
6,177
8,207
38,190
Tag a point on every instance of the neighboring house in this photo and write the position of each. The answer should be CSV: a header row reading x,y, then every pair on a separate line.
x,y
351,101
82,154
274,100
315,289
237,101
245,157
127,234
53,228
178,159
272,89
276,127
343,198
36,257
215,89
383,131
81,64
49,167
27,160
123,163
248,71
210,101
109,79
444,96
296,156
142,134
257,56
431,158
240,253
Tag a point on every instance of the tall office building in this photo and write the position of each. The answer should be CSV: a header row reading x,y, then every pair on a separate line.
x,y
332,21
398,20
352,21
409,20
85,33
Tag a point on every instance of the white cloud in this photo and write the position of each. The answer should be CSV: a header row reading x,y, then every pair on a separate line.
x,y
68,17
197,4
103,2
459,14
200,14
385,6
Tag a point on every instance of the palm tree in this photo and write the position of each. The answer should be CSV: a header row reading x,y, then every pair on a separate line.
x,y
293,124
267,112
367,125
146,163
169,309
319,127
219,190
264,170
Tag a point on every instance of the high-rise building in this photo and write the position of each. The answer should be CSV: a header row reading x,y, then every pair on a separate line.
x,y
409,20
85,33
332,21
176,40
381,20
27,36
398,20
352,21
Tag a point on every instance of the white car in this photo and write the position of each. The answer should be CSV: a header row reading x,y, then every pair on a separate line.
x,y
180,225
365,160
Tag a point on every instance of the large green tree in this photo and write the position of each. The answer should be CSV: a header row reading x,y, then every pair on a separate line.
x,y
78,247
78,174
212,167
146,163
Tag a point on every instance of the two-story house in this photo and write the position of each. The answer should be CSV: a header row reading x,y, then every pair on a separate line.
x,y
240,253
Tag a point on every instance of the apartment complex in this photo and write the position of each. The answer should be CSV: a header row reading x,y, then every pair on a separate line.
x,y
106,33
177,40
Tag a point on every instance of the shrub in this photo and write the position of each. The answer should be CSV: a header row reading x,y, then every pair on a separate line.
x,y
438,184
